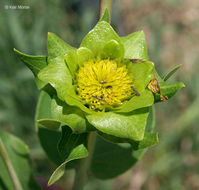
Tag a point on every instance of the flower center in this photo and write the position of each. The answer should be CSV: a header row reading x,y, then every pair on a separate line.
x,y
102,83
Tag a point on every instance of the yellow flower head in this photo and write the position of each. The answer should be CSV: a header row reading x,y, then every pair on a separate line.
x,y
103,83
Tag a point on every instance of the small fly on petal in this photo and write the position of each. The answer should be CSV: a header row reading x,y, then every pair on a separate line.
x,y
135,90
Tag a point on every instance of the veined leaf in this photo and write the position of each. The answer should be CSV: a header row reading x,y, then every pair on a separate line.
x,y
168,90
135,46
112,50
58,75
57,47
18,154
129,125
35,64
99,36
107,158
71,147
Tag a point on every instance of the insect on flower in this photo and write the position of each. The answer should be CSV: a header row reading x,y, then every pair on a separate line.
x,y
154,86
137,60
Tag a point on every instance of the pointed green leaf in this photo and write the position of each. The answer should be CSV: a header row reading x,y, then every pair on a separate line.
x,y
169,90
58,75
62,113
49,123
77,153
112,50
18,154
48,138
110,160
84,54
150,139
40,84
105,16
135,46
107,158
70,116
34,63
57,47
73,99
171,72
69,141
145,99
141,73
129,125
96,39
73,146
71,59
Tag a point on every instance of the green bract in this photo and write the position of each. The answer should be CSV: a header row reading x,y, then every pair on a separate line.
x,y
61,108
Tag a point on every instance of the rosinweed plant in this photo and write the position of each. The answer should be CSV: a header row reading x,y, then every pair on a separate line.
x,y
107,87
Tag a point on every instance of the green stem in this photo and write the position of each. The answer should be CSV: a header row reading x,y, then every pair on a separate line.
x,y
81,175
103,5
9,166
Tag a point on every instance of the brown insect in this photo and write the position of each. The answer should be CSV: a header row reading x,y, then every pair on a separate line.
x,y
137,60
154,86
135,90
98,98
109,86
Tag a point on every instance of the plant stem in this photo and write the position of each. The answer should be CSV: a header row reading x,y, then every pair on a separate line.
x,y
9,166
103,5
81,175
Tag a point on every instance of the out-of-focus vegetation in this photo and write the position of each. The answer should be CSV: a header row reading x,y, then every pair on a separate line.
x,y
172,30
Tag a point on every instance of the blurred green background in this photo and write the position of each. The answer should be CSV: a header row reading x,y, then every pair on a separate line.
x,y
172,32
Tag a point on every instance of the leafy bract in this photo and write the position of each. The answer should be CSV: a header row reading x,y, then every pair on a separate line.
x,y
51,111
57,47
135,46
150,139
61,113
49,123
141,74
69,140
112,50
127,125
96,39
18,154
105,16
84,54
77,153
35,64
69,115
58,75
72,62
71,147
73,99
169,90
145,99
107,158
48,138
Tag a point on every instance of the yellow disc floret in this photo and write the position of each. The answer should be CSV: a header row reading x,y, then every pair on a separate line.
x,y
103,83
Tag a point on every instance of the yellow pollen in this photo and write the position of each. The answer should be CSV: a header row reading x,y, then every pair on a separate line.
x,y
103,83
